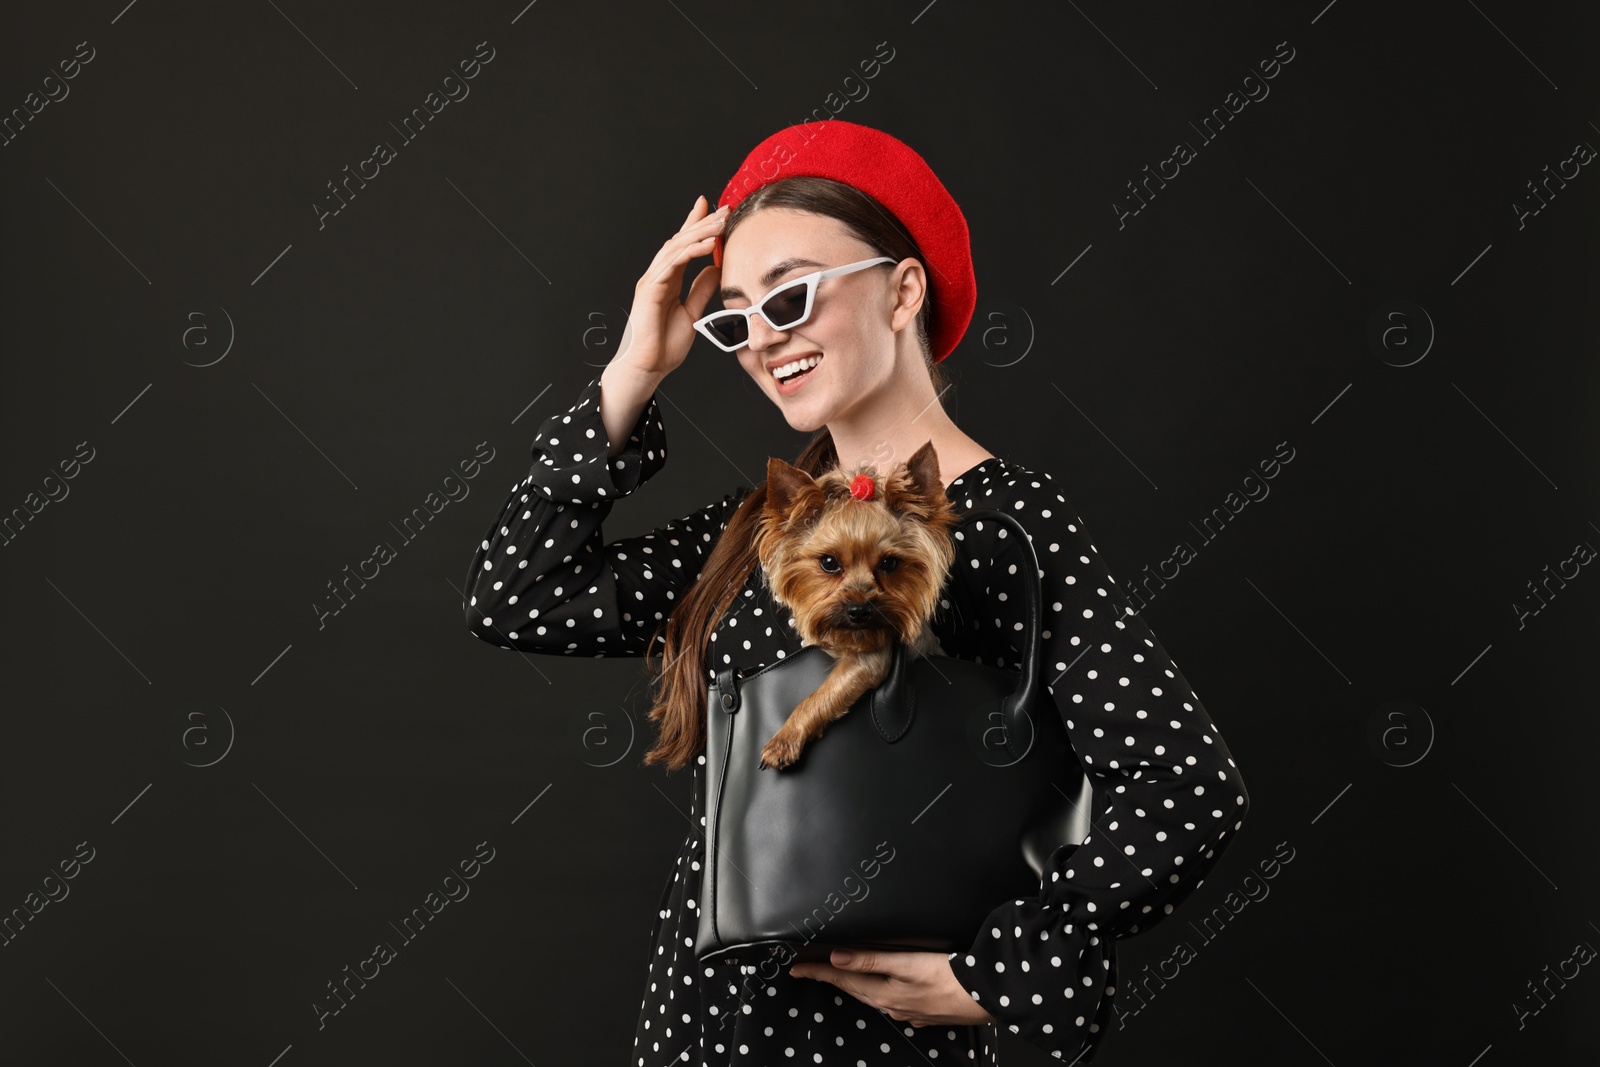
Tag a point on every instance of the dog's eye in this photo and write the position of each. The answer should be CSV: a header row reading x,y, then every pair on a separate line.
x,y
829,564
889,563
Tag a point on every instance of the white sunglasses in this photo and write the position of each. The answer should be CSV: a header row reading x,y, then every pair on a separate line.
x,y
784,308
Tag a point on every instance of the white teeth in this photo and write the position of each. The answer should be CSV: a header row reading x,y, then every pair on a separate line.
x,y
789,370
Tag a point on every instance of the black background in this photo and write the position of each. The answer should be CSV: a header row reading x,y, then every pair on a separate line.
x,y
1429,761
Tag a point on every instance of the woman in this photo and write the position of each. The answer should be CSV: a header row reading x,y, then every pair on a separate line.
x,y
545,580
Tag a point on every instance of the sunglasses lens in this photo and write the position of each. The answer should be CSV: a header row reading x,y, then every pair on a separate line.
x,y
729,328
785,307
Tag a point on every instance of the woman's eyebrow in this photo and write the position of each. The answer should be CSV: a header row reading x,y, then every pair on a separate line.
x,y
777,271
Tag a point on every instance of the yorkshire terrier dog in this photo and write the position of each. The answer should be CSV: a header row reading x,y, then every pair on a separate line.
x,y
860,561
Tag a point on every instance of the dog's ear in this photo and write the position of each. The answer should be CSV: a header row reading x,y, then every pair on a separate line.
x,y
923,470
789,488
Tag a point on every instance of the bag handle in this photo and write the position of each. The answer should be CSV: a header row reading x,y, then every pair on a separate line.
x,y
891,704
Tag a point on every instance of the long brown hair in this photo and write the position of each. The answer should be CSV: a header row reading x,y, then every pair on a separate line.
x,y
680,710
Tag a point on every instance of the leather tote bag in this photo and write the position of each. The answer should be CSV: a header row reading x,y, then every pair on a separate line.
x,y
937,797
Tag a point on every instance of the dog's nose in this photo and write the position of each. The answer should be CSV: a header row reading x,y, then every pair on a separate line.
x,y
859,612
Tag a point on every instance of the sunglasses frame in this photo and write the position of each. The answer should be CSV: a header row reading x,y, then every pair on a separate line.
x,y
810,281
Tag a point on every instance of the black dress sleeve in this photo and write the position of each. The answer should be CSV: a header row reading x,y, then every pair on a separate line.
x,y
1167,795
544,579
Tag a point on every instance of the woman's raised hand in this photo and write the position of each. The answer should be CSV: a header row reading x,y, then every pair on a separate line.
x,y
660,329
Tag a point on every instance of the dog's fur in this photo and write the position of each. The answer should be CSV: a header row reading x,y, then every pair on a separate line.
x,y
824,552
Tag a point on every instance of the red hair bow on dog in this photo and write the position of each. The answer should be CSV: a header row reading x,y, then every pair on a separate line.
x,y
862,487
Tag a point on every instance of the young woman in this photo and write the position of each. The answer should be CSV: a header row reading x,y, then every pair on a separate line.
x,y
843,248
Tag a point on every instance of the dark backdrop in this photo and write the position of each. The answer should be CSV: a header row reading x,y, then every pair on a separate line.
x,y
249,394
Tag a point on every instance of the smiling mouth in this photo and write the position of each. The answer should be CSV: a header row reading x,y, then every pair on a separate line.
x,y
798,369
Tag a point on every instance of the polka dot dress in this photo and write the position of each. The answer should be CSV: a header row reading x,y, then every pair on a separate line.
x,y
1168,796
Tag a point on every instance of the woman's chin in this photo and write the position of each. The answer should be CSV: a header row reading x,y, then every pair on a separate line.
x,y
807,409
802,417
797,416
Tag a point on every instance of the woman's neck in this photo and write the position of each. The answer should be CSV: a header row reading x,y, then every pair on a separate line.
x,y
899,421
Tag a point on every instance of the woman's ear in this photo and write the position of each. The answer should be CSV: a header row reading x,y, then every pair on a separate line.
x,y
910,289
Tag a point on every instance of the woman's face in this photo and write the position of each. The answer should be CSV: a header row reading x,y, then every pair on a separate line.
x,y
851,315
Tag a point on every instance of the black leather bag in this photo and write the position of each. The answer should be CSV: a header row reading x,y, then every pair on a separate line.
x,y
939,795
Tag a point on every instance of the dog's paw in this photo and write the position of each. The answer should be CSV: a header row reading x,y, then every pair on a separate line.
x,y
781,751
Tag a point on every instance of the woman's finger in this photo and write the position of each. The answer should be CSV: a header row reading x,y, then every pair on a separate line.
x,y
712,223
691,233
681,254
700,293
690,216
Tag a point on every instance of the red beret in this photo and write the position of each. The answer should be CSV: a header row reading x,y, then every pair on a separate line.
x,y
889,171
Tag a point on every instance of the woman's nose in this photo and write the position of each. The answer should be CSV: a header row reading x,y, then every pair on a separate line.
x,y
762,335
